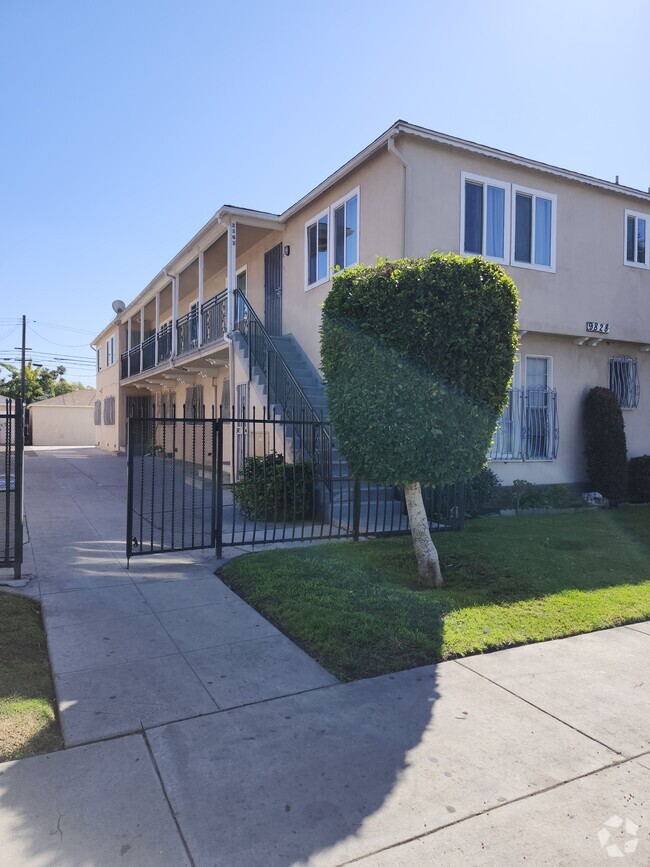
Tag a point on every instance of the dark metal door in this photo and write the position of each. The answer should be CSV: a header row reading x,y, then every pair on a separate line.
x,y
273,291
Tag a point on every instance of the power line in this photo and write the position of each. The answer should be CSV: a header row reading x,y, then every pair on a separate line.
x,y
54,343
61,327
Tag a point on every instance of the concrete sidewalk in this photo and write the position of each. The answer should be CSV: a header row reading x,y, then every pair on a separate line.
x,y
229,746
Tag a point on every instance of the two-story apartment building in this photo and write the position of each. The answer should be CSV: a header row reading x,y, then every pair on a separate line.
x,y
575,246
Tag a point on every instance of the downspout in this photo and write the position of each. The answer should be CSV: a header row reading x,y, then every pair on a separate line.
x,y
407,236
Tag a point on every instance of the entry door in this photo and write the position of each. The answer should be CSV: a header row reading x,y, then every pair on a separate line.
x,y
273,291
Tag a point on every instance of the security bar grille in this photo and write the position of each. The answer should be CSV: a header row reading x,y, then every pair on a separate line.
x,y
624,381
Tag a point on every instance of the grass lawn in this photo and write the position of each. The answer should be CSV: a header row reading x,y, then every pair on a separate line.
x,y
358,609
28,723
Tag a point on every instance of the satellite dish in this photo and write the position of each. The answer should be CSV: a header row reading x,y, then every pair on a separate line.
x,y
118,306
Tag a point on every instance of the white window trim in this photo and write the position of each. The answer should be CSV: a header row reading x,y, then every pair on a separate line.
x,y
549,368
330,226
641,216
492,182
533,266
515,384
237,273
308,223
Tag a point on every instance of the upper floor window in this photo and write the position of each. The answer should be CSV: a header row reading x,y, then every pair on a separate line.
x,y
533,229
110,351
346,232
484,219
317,250
636,237
624,381
99,358
332,239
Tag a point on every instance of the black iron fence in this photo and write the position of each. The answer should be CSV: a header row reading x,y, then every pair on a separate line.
x,y
226,481
11,485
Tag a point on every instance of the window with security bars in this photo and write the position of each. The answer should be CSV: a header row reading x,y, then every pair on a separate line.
x,y
109,410
194,402
98,412
167,404
624,381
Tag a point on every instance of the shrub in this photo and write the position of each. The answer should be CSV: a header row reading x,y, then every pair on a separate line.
x,y
639,479
272,490
605,445
521,488
481,492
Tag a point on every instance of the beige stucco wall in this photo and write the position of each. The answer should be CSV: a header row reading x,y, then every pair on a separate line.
x,y
576,369
107,437
591,282
62,425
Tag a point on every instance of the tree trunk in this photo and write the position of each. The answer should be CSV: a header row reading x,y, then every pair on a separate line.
x,y
425,551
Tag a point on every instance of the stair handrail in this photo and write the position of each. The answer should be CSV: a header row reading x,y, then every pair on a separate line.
x,y
244,313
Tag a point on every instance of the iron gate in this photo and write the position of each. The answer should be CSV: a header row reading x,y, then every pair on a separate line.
x,y
11,485
197,482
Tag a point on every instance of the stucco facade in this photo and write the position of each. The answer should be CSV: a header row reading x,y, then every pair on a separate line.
x,y
413,192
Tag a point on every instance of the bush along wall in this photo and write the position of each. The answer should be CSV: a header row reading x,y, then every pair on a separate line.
x,y
639,479
605,445
272,490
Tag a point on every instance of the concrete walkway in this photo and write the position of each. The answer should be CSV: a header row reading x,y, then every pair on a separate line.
x,y
198,734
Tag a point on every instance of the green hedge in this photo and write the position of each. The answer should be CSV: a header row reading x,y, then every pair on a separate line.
x,y
272,490
639,479
605,445
417,356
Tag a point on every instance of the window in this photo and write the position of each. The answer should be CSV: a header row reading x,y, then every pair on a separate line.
x,y
533,228
194,407
99,358
332,239
317,250
346,232
110,351
109,410
98,412
242,280
484,217
624,381
528,429
636,238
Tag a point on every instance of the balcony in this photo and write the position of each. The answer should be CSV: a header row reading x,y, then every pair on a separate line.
x,y
528,429
212,321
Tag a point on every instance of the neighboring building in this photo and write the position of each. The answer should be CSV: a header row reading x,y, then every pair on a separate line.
x,y
575,246
64,420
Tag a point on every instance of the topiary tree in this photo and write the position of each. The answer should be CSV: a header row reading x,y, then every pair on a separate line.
x,y
605,445
417,356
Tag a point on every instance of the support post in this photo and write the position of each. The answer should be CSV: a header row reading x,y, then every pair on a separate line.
x,y
155,342
217,490
232,273
175,282
141,339
199,324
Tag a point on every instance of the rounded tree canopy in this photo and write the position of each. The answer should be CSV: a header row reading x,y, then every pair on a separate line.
x,y
417,356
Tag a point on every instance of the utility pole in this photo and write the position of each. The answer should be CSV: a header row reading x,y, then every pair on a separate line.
x,y
22,363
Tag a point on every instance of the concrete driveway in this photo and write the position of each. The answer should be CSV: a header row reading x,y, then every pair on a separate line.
x,y
198,734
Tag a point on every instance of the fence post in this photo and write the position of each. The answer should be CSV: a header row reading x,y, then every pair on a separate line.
x,y
129,489
217,440
19,466
356,510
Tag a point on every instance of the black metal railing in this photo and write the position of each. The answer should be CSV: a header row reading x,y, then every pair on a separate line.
x,y
214,316
11,485
283,388
529,428
187,332
149,352
221,480
124,365
134,360
164,343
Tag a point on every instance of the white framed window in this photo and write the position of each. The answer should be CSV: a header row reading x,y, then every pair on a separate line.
x,y
110,351
485,218
99,359
624,381
241,280
317,250
534,228
345,231
636,239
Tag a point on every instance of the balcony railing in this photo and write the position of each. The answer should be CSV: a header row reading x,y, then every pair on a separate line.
x,y
187,332
212,322
214,318
149,353
134,360
529,428
164,343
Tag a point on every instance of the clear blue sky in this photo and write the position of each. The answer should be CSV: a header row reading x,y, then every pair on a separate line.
x,y
126,125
